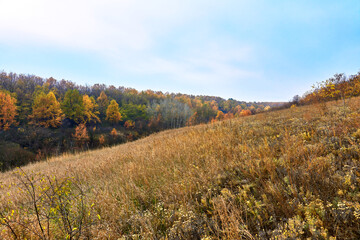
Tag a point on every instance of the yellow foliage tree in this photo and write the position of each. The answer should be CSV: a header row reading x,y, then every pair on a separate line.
x,y
220,116
336,87
46,111
90,112
8,111
113,112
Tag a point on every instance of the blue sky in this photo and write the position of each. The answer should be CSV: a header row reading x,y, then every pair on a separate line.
x,y
248,50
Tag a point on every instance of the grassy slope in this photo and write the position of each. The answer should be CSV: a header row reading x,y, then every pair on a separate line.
x,y
281,174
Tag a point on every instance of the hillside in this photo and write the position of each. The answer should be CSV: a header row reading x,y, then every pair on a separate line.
x,y
45,117
283,174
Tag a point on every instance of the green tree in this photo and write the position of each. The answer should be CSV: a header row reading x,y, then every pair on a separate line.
x,y
73,106
24,96
134,112
113,112
46,111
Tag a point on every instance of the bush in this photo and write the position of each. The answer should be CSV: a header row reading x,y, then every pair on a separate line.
x,y
12,155
49,209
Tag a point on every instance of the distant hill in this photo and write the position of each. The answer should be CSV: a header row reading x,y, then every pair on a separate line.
x,y
289,174
47,117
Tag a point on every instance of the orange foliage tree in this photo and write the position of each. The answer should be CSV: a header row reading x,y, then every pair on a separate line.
x,y
101,140
192,120
155,121
229,115
8,111
245,113
129,124
81,135
113,133
46,111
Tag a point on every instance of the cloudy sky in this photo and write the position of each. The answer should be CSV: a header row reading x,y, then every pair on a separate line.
x,y
256,50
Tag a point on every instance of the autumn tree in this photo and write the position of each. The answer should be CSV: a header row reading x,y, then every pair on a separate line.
x,y
344,89
155,121
103,103
101,140
73,106
237,110
90,110
192,120
246,112
219,116
113,112
81,135
229,115
336,87
355,79
46,111
205,113
267,108
129,124
113,133
8,111
214,105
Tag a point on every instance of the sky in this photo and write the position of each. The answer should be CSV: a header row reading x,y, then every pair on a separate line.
x,y
256,50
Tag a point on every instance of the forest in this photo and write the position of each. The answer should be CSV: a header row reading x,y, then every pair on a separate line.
x,y
42,117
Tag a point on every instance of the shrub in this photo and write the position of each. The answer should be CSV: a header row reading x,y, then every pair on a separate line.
x,y
49,209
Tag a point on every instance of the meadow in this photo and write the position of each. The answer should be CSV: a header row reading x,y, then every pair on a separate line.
x,y
287,174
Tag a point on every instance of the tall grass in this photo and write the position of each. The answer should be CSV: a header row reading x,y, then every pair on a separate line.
x,y
287,174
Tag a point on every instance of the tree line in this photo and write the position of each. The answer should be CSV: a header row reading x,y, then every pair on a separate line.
x,y
338,87
41,117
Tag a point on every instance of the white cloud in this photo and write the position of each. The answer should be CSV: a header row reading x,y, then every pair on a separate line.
x,y
203,66
90,24
78,24
125,32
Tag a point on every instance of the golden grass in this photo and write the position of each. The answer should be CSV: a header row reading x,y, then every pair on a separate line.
x,y
291,173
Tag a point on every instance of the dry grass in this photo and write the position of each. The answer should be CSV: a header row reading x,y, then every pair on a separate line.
x,y
285,174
